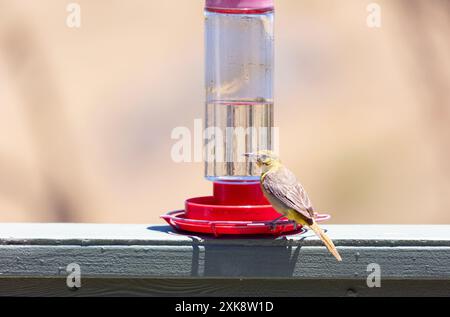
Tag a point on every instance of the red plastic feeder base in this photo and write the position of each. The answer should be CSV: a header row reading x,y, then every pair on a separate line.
x,y
235,209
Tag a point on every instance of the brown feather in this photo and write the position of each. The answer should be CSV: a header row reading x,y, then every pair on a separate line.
x,y
284,186
326,240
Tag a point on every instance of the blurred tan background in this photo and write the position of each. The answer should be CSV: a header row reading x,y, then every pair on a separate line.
x,y
86,114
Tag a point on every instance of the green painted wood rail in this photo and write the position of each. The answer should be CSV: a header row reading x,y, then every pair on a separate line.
x,y
156,261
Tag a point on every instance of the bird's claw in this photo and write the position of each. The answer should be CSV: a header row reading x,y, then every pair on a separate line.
x,y
272,226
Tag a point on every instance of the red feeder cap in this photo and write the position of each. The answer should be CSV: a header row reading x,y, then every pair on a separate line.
x,y
232,201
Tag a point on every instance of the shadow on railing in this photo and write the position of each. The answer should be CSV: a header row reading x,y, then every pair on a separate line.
x,y
211,258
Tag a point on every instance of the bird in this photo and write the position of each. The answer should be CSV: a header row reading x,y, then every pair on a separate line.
x,y
287,196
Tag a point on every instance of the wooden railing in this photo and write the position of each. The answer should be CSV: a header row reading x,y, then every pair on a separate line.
x,y
154,260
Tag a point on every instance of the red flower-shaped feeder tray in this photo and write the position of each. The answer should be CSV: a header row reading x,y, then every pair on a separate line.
x,y
179,221
235,209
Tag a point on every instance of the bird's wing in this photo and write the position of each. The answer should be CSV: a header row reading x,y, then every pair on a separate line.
x,y
283,184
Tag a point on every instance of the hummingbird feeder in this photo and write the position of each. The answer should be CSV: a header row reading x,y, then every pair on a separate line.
x,y
239,45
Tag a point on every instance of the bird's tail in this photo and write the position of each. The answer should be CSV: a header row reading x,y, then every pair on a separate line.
x,y
326,240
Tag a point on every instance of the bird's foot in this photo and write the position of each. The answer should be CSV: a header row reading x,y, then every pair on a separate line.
x,y
273,223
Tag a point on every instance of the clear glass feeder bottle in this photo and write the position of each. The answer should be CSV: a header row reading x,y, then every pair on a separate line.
x,y
239,86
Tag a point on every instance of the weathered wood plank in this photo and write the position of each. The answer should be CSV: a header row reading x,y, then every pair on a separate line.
x,y
220,287
224,261
135,260
137,251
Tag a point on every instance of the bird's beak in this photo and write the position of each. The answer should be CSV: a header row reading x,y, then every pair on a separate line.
x,y
253,157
